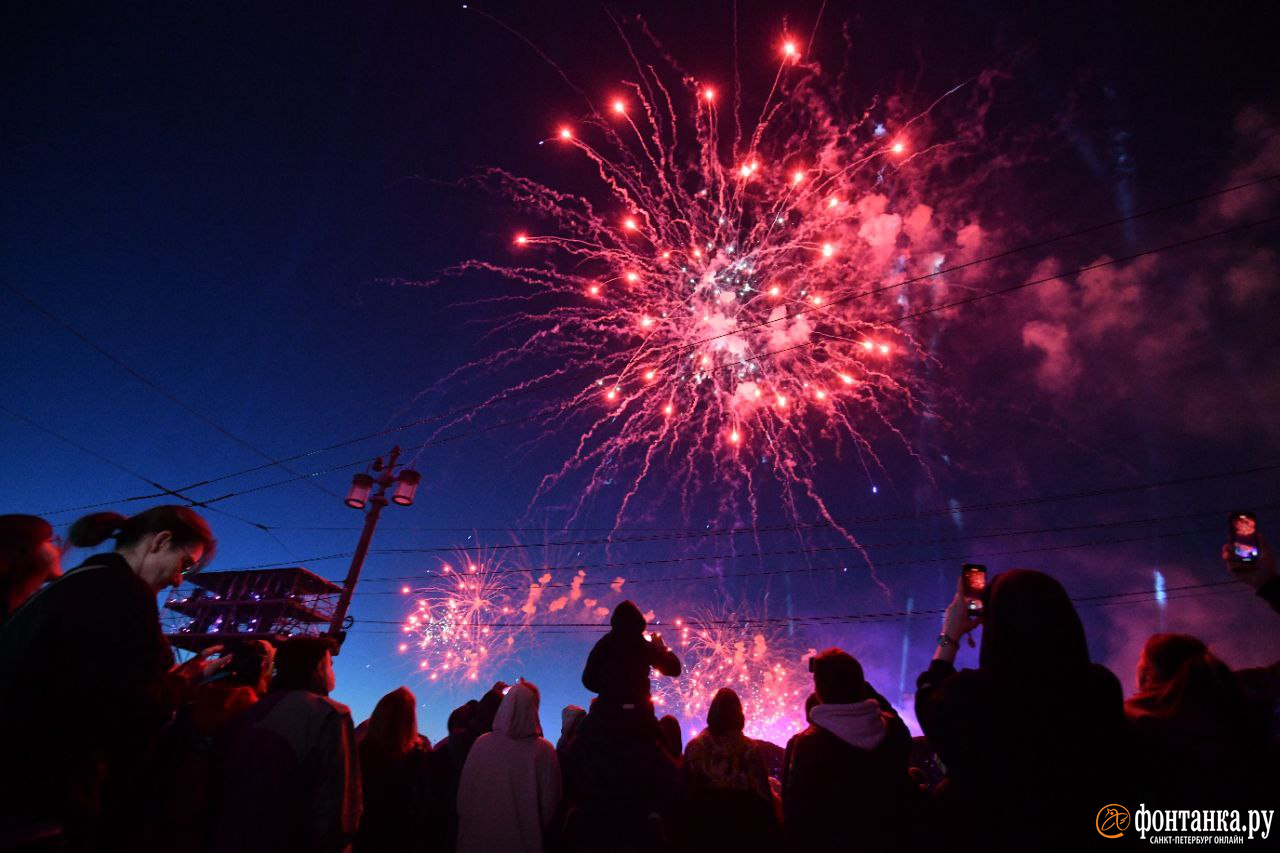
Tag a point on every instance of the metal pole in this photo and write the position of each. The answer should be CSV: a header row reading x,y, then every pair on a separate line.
x,y
386,476
376,503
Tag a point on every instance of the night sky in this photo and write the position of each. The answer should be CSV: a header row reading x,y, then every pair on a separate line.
x,y
222,211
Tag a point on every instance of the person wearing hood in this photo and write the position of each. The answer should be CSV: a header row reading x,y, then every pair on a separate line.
x,y
845,780
510,785
618,667
570,719
465,725
1036,727
730,803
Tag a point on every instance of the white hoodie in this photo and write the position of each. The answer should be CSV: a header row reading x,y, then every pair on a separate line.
x,y
510,784
859,724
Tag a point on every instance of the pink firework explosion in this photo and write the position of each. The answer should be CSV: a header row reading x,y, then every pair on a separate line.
x,y
465,622
479,613
767,670
733,308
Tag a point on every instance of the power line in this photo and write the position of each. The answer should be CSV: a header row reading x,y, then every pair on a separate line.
x,y
823,523
804,570
758,530
146,380
509,395
1039,244
879,564
164,490
1195,590
934,309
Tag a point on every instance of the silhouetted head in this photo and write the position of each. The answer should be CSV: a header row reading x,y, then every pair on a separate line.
x,y
627,619
251,664
570,718
1030,626
518,714
29,556
1164,655
725,716
1178,676
672,737
460,720
305,663
162,545
393,726
838,678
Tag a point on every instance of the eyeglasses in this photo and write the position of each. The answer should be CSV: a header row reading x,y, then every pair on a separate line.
x,y
189,564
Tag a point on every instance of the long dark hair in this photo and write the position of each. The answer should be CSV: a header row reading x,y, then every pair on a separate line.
x,y
393,726
1030,627
20,537
183,523
1181,676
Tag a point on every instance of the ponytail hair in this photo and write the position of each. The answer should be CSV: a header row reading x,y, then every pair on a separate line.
x,y
183,523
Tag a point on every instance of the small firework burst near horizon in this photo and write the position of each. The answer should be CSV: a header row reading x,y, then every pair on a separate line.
x,y
732,291
476,613
465,623
758,661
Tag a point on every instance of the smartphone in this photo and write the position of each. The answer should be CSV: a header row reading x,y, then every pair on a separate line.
x,y
1242,529
973,578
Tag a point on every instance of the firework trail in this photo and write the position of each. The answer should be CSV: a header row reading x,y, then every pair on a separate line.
x,y
767,670
731,295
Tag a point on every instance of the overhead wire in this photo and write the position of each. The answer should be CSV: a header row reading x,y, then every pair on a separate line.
x,y
163,490
142,378
849,523
1194,590
537,388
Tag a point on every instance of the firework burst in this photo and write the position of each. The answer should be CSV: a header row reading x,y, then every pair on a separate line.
x,y
767,671
465,623
479,613
735,292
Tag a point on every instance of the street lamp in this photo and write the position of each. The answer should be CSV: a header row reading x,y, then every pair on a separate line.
x,y
361,485
360,496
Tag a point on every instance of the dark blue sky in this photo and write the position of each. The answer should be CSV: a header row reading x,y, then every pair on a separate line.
x,y
218,196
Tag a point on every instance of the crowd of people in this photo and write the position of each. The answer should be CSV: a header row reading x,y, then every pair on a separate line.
x,y
109,745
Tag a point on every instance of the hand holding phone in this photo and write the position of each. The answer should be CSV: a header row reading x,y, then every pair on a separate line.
x,y
960,617
973,583
1242,530
1246,553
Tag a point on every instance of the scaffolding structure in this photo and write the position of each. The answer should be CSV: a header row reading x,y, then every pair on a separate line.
x,y
258,604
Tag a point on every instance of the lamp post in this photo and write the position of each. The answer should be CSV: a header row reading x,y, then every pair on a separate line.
x,y
384,476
